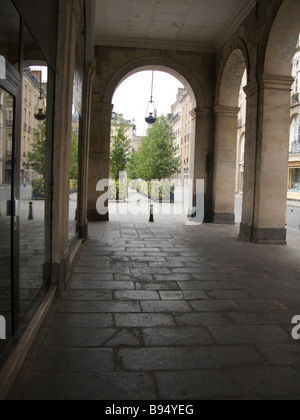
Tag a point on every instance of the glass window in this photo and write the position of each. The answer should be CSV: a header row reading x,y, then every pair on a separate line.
x,y
6,169
294,180
33,179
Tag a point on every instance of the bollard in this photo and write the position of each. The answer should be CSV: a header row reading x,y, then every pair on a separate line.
x,y
151,220
30,215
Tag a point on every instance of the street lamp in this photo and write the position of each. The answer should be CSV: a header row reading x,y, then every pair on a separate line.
x,y
40,107
151,119
40,111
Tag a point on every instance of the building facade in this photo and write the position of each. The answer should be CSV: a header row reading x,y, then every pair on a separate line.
x,y
6,126
294,149
135,141
294,142
32,84
182,125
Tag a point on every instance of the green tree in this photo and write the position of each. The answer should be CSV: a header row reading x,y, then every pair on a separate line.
x,y
120,148
132,169
36,159
74,155
156,158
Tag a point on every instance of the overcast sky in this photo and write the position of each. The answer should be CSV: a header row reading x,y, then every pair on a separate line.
x,y
132,97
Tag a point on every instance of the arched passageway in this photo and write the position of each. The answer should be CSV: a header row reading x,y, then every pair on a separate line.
x,y
225,146
267,134
201,95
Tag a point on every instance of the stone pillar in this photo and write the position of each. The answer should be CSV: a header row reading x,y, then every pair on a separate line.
x,y
224,164
271,163
98,157
200,156
84,152
251,91
69,16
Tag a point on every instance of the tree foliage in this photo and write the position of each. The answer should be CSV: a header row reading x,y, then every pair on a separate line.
x,y
74,154
36,158
156,158
120,149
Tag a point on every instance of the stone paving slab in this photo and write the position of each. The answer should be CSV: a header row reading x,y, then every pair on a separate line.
x,y
169,311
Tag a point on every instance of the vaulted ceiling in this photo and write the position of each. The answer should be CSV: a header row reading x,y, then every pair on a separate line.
x,y
194,25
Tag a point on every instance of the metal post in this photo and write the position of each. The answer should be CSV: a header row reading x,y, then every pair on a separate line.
x,y
30,216
151,220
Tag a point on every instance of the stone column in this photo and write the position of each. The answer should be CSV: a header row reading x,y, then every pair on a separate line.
x,y
84,152
271,162
224,164
251,91
98,157
200,156
69,16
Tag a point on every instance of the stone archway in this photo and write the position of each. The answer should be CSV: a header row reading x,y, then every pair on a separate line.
x,y
266,166
225,147
117,65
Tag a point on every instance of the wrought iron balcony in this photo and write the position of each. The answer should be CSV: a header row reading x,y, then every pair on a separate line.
x,y
295,148
295,99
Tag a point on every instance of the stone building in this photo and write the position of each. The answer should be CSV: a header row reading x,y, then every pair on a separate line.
x,y
294,150
181,121
31,92
6,126
89,49
135,141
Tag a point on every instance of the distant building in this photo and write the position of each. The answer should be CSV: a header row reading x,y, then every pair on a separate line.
x,y
181,120
31,92
293,188
135,140
6,127
241,133
294,150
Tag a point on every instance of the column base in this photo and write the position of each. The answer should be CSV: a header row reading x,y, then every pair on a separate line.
x,y
94,216
269,236
263,236
245,233
224,218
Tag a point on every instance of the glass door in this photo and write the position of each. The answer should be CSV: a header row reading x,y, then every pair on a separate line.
x,y
7,105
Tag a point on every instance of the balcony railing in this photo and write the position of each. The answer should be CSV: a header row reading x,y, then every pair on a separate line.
x,y
240,122
295,148
295,99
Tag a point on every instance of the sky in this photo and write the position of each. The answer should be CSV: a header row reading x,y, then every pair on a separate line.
x,y
132,96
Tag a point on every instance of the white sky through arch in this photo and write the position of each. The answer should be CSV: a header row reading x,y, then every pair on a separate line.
x,y
132,96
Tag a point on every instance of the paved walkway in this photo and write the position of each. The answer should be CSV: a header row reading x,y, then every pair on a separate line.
x,y
168,311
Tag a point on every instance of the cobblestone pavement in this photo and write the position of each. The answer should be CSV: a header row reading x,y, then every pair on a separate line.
x,y
168,311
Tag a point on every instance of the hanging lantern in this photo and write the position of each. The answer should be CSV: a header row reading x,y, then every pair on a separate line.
x,y
151,118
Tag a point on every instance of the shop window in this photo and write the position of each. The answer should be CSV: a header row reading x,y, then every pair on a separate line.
x,y
294,180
